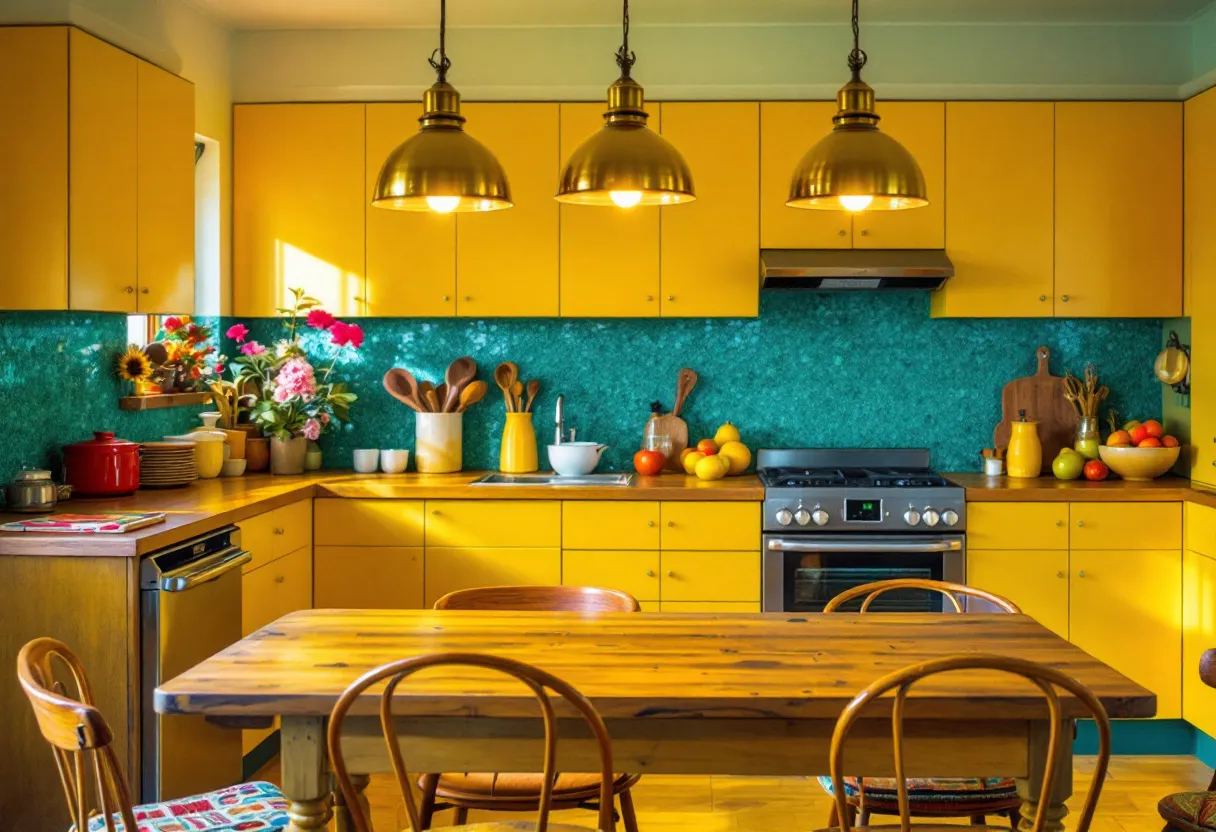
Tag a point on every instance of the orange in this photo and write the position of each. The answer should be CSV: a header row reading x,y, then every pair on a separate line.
x,y
1118,439
708,447
1150,442
1169,442
1138,434
1154,428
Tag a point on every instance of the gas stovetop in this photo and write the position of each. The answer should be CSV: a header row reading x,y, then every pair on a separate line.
x,y
857,490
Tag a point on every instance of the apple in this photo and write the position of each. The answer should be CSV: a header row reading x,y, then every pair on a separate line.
x,y
708,447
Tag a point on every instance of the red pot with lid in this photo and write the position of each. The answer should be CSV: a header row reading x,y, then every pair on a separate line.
x,y
102,467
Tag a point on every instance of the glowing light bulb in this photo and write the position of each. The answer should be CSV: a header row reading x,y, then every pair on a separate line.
x,y
856,203
626,199
443,204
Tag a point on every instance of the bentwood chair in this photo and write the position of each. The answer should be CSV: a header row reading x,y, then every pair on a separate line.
x,y
901,681
537,680
1193,811
521,792
93,781
972,798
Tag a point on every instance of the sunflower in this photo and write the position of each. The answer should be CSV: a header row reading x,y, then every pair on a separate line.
x,y
133,365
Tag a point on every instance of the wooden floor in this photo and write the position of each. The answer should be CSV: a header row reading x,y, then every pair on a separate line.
x,y
667,803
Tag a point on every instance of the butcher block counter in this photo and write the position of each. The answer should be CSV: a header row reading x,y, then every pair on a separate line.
x,y
1005,489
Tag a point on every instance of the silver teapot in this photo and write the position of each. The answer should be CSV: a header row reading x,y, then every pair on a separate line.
x,y
31,491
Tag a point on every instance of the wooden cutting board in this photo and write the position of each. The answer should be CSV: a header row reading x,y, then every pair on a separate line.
x,y
672,425
1042,397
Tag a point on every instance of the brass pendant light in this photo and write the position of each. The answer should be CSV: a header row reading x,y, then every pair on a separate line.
x,y
857,167
441,168
625,163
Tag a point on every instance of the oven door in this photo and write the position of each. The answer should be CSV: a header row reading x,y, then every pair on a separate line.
x,y
804,573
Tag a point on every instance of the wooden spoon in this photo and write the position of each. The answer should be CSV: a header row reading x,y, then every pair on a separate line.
x,y
517,396
460,372
426,389
403,387
432,400
533,389
441,393
471,395
505,378
684,384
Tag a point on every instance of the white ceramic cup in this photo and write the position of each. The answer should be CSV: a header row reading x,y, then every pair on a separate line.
x,y
994,467
394,461
367,460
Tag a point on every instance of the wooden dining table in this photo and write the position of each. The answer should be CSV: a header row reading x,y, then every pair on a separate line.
x,y
681,693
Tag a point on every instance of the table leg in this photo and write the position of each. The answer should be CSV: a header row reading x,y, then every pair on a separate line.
x,y
342,818
305,782
1030,789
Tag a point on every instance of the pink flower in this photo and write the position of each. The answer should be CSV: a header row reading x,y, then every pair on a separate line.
x,y
281,394
252,348
297,378
238,332
344,334
324,417
311,429
172,324
320,319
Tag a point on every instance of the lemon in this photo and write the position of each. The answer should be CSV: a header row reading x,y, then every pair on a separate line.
x,y
710,468
726,433
737,455
690,461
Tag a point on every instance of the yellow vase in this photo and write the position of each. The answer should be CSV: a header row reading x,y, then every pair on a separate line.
x,y
1025,455
518,454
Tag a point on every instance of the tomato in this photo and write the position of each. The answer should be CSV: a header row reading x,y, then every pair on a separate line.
x,y
1150,442
649,463
1096,469
1169,442
1138,434
1154,428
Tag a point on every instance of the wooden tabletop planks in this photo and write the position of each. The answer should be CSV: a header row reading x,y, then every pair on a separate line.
x,y
649,665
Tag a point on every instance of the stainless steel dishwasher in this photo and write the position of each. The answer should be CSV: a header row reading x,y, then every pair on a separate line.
x,y
190,609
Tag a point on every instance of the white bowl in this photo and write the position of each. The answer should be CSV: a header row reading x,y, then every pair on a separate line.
x,y
575,459
394,461
233,468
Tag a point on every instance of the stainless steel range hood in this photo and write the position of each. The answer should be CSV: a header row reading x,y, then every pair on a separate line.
x,y
853,269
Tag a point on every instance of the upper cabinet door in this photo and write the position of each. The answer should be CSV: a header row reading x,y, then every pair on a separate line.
x,y
999,222
609,255
102,186
165,246
1200,205
507,261
788,129
411,256
920,126
1119,209
711,247
298,206
34,167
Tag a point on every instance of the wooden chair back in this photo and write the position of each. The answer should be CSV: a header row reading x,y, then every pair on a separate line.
x,y
1046,678
539,598
537,680
951,591
78,734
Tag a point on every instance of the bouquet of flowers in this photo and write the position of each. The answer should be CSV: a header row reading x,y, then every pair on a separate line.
x,y
178,361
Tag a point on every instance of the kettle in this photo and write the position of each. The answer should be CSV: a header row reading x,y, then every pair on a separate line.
x,y
575,459
31,490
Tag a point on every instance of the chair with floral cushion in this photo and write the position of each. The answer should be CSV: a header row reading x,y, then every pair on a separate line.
x,y
1193,811
972,798
93,782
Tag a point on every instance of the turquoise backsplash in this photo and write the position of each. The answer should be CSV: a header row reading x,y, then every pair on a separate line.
x,y
819,370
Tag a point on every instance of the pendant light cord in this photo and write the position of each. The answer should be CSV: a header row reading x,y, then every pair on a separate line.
x,y
625,58
858,57
442,66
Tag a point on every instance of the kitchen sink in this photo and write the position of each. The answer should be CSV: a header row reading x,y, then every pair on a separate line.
x,y
555,479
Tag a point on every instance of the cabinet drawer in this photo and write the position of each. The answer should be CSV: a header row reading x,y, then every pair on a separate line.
x,y
292,527
269,592
709,606
369,522
1126,526
257,538
628,571
450,569
368,577
596,524
710,525
484,523
1017,525
710,576
1201,529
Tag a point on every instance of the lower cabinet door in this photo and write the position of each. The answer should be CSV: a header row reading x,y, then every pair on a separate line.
x,y
1198,635
450,569
1035,580
709,606
368,577
1126,610
636,573
710,576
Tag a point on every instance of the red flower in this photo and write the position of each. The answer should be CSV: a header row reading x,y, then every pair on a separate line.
x,y
320,319
343,334
195,335
219,369
196,372
238,333
171,324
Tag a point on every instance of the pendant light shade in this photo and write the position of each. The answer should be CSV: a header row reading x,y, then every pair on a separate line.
x,y
441,168
625,163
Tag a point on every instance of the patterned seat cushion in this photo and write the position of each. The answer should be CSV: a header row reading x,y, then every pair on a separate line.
x,y
1189,811
941,795
248,807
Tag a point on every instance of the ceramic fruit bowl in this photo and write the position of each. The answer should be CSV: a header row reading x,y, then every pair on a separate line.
x,y
1139,464
233,468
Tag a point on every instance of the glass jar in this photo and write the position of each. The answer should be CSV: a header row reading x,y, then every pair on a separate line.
x,y
1088,439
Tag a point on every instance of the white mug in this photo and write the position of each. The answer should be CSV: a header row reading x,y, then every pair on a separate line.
x,y
394,461
367,460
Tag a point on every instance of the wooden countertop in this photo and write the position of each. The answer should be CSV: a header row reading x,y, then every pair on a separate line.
x,y
1170,489
746,488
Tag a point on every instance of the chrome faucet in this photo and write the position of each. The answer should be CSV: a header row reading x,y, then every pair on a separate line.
x,y
561,421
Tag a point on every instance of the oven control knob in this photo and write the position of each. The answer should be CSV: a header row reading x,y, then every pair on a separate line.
x,y
802,516
911,517
949,517
820,517
784,516
931,517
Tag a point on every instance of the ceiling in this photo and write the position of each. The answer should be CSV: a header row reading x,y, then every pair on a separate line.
x,y
328,14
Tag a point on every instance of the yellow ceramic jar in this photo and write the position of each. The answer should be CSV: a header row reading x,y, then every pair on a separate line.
x,y
518,453
1025,456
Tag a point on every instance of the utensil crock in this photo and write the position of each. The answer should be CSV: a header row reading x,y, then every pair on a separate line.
x,y
103,466
518,452
438,442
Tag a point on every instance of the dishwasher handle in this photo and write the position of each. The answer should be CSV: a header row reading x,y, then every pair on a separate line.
x,y
894,547
204,570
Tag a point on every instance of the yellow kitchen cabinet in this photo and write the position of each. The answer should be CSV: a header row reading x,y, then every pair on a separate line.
x,y
1200,525
1199,206
610,524
368,577
788,129
269,592
609,255
272,534
709,252
411,256
710,576
920,126
257,538
1125,609
1126,526
1198,636
507,261
493,523
709,606
450,569
343,522
999,202
1118,250
1035,580
34,167
298,206
634,572
709,525
1017,525
102,192
165,244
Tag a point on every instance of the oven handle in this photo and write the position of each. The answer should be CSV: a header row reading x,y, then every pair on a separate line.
x,y
860,546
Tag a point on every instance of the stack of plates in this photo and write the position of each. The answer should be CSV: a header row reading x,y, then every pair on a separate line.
x,y
167,464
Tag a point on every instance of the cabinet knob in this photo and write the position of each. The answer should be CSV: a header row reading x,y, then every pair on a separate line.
x,y
843,233
1064,298
649,298
865,233
435,512
278,579
649,573
1081,574
1059,573
650,523
671,574
671,524
466,298
143,290
130,290
1059,522
278,531
1080,524
671,297
1042,297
